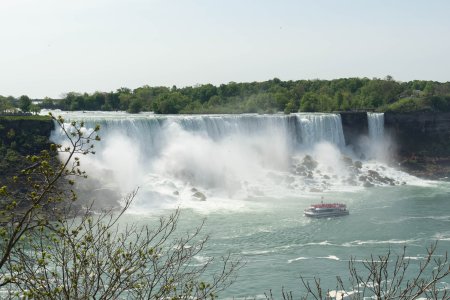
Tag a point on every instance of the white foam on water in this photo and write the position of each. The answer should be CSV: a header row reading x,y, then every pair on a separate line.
x,y
442,236
341,294
413,218
414,257
324,243
297,259
376,242
330,257
257,252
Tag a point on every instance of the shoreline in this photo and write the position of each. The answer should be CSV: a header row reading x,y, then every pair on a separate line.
x,y
432,168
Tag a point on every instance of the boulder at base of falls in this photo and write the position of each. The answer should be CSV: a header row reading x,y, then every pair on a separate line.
x,y
347,161
309,162
373,174
357,164
376,178
199,196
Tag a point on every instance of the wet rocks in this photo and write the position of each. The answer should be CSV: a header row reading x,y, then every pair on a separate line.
x,y
347,161
199,196
307,167
357,164
309,163
318,177
373,178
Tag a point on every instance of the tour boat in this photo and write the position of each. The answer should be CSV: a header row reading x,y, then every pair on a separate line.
x,y
324,210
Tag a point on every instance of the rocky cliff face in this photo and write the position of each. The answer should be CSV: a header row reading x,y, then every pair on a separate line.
x,y
355,125
420,133
420,140
21,136
25,134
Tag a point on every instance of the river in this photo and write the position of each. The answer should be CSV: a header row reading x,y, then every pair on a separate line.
x,y
255,176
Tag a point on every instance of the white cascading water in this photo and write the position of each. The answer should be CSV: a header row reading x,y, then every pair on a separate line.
x,y
376,126
181,160
378,145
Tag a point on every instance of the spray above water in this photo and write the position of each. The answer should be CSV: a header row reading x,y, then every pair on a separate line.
x,y
225,159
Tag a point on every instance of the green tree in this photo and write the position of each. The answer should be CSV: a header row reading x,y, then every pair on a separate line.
x,y
171,103
330,95
291,107
125,100
379,92
135,106
429,88
281,99
47,103
339,100
204,92
35,108
111,101
24,103
5,105
309,102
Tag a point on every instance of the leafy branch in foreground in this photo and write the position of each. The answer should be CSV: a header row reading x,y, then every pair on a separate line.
x,y
53,250
93,257
386,277
25,211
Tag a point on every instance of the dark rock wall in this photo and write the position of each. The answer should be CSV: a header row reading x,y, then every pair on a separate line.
x,y
425,134
26,135
420,133
21,136
354,125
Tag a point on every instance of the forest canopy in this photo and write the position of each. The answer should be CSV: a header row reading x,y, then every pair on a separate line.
x,y
347,94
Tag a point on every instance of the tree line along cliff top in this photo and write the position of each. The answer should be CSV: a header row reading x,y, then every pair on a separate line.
x,y
257,97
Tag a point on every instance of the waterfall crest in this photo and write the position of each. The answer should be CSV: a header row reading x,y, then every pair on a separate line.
x,y
300,130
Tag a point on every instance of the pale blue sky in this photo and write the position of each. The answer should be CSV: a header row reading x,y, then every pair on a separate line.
x,y
49,47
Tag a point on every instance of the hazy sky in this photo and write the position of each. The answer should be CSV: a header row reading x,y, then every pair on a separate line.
x,y
50,47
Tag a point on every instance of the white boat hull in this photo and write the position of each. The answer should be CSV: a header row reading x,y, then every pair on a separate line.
x,y
326,214
326,210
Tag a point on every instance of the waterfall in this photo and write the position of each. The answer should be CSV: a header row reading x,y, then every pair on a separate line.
x,y
376,126
315,128
378,145
178,159
225,156
299,131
